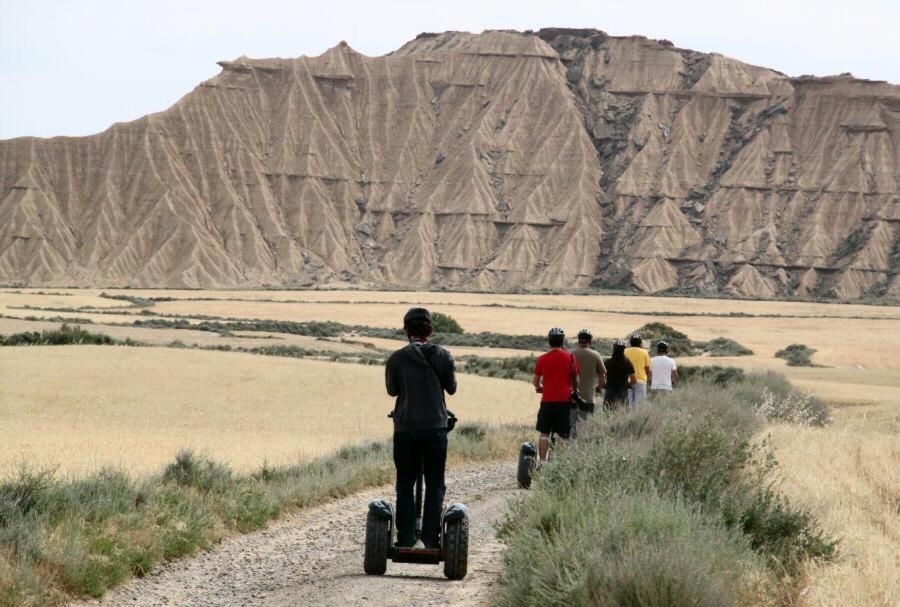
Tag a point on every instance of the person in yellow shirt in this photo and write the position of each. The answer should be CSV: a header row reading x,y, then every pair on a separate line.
x,y
640,360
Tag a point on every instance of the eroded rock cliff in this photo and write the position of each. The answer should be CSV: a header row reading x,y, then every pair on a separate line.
x,y
558,158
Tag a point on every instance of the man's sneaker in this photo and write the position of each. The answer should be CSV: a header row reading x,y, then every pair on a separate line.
x,y
419,545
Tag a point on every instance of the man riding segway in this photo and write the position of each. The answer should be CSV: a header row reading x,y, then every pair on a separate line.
x,y
418,375
556,380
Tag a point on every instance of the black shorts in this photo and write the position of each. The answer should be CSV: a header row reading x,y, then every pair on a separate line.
x,y
555,417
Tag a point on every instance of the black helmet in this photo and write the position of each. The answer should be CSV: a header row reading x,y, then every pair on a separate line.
x,y
556,331
662,347
414,314
585,333
636,336
619,342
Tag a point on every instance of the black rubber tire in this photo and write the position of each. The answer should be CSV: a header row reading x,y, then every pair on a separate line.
x,y
525,471
378,539
456,549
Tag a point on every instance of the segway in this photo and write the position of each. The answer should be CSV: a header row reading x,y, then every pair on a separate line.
x,y
454,550
528,457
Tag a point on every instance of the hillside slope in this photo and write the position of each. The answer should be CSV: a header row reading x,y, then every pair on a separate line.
x,y
559,158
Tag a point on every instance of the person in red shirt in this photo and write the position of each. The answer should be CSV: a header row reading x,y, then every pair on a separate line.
x,y
555,375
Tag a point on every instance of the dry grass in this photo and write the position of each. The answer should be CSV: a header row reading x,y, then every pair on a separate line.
x,y
849,475
81,407
829,336
861,389
57,298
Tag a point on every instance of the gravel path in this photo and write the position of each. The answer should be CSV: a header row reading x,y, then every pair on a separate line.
x,y
315,558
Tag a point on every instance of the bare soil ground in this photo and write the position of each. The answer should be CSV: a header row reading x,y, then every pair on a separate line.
x,y
315,558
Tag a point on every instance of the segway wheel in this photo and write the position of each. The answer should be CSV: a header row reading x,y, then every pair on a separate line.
x,y
525,471
456,548
378,540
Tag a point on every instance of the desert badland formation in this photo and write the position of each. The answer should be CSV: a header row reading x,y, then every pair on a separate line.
x,y
558,158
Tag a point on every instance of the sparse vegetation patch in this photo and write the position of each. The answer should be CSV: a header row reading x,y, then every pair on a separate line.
x,y
682,345
662,505
797,355
65,335
62,537
723,346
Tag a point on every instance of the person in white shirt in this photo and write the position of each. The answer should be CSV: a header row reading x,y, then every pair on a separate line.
x,y
664,371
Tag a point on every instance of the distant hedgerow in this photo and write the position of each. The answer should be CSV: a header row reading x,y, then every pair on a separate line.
x,y
65,335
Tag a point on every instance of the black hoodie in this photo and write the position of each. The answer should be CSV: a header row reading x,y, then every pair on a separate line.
x,y
418,375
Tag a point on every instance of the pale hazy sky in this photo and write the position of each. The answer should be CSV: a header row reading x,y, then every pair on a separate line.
x,y
75,67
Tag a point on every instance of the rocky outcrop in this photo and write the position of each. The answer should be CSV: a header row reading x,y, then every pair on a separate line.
x,y
738,178
558,158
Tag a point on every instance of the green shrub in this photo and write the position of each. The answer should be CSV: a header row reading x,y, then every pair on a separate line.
x,y
472,431
191,470
655,332
492,340
715,374
513,367
444,323
784,534
661,505
682,345
18,497
65,335
723,346
797,355
621,547
137,302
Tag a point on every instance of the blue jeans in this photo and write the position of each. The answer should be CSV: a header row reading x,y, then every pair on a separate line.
x,y
417,452
637,393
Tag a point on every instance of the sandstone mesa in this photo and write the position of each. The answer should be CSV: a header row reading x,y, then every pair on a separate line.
x,y
558,158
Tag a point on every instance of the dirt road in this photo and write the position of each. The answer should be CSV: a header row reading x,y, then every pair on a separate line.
x,y
315,558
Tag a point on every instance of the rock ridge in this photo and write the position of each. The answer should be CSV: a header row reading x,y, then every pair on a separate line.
x,y
549,159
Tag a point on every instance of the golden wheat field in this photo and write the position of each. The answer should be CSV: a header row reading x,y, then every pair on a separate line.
x,y
848,474
81,407
851,340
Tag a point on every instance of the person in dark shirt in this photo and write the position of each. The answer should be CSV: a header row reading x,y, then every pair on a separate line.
x,y
620,376
419,375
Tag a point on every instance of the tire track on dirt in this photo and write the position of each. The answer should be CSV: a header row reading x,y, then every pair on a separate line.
x,y
315,557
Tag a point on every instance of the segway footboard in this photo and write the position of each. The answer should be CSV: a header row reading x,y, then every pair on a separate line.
x,y
420,556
